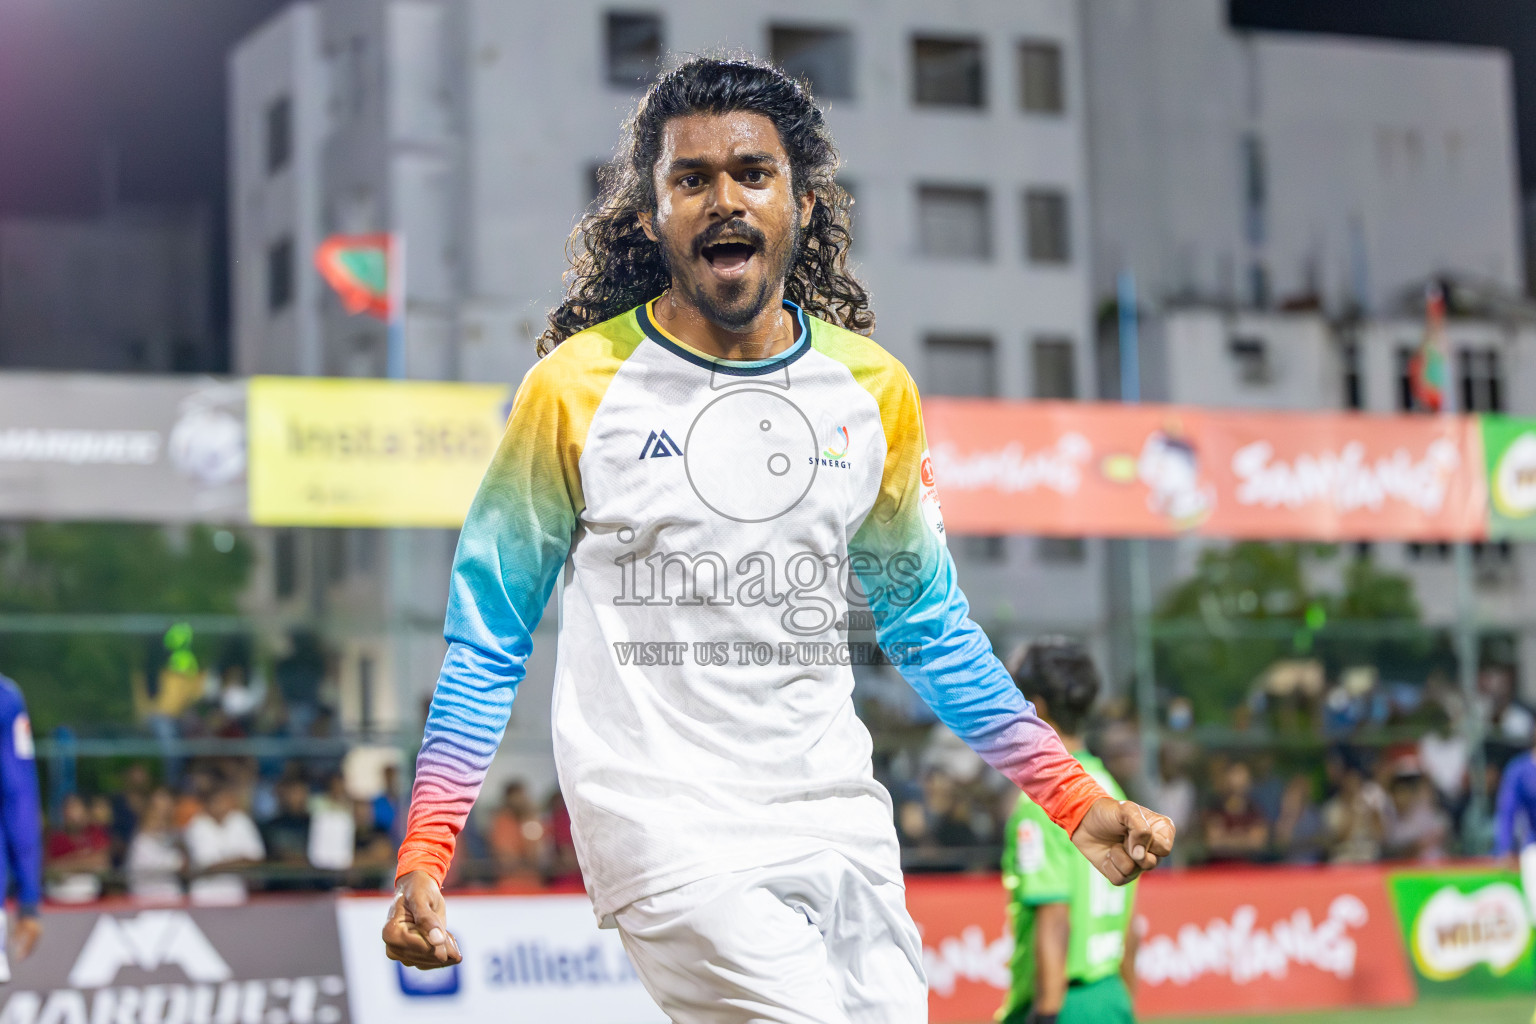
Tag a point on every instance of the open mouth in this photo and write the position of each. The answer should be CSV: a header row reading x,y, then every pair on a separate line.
x,y
729,258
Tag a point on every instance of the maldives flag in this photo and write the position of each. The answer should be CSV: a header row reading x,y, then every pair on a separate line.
x,y
1427,370
358,267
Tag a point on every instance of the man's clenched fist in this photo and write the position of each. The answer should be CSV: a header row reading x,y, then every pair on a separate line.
x,y
416,933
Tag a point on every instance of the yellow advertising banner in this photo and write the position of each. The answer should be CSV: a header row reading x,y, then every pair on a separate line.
x,y
359,452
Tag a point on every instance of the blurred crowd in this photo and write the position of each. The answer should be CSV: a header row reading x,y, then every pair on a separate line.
x,y
1303,772
222,832
226,831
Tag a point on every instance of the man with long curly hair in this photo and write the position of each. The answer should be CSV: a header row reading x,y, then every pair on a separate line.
x,y
728,480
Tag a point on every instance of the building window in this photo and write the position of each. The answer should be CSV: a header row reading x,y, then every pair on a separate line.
x,y
984,549
964,366
1438,552
1255,188
1061,550
1482,385
948,73
954,223
279,274
822,58
279,122
1040,83
1258,285
634,47
1055,368
1250,355
285,563
1047,227
335,555
1354,384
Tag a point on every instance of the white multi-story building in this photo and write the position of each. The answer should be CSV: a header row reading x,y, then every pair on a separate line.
x,y
474,127
1269,169
126,291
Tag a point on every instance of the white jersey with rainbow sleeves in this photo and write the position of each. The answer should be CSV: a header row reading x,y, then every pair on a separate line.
x,y
714,529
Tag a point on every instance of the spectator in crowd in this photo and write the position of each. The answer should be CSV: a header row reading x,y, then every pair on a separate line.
x,y
1354,820
197,785
1416,828
373,857
949,812
286,836
386,807
1509,721
561,867
332,832
155,859
128,804
1268,787
79,853
1176,794
1444,755
1235,826
222,841
516,837
1299,835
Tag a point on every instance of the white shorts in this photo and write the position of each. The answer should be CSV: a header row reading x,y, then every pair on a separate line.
x,y
811,941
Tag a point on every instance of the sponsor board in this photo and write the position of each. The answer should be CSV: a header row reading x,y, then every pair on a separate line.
x,y
966,943
1467,932
1255,940
1211,942
267,963
1509,451
526,958
149,449
1158,471
330,452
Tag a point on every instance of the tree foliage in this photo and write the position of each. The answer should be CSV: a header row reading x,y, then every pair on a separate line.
x,y
1251,604
82,679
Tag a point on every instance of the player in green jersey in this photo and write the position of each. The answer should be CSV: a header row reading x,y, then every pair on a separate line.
x,y
1073,944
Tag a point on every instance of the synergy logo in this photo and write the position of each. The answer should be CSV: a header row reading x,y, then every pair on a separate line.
x,y
1456,931
832,451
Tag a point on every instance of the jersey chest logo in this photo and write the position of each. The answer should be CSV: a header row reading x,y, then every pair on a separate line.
x,y
660,446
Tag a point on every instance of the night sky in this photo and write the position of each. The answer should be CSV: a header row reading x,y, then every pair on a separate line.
x,y
144,80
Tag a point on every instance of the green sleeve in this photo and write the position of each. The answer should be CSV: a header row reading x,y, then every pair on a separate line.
x,y
1042,856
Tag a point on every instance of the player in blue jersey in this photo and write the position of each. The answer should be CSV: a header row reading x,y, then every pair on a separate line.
x,y
21,821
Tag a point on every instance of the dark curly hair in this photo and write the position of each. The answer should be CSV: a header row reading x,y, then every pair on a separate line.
x,y
1061,673
615,267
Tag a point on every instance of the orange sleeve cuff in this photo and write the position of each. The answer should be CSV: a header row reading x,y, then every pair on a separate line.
x,y
416,858
1077,796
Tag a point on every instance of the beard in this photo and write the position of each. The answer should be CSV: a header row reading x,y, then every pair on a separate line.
x,y
733,305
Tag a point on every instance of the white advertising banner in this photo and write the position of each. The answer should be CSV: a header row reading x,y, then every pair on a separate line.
x,y
526,958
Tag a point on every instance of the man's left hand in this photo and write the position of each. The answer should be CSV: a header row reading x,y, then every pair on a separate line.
x,y
1122,839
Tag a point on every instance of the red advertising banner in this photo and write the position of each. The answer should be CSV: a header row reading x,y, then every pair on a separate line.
x,y
1078,468
1271,940
1283,939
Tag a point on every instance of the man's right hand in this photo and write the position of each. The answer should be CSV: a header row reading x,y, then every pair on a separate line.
x,y
24,935
416,933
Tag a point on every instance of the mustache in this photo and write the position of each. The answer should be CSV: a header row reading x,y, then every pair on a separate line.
x,y
729,229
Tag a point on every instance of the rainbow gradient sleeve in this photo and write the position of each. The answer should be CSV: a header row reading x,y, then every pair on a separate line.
x,y
922,620
514,542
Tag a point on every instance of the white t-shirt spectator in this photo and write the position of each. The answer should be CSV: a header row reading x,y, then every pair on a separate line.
x,y
211,842
153,865
332,832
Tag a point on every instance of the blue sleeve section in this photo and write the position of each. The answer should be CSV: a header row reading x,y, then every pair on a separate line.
x,y
1514,796
20,811
923,624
